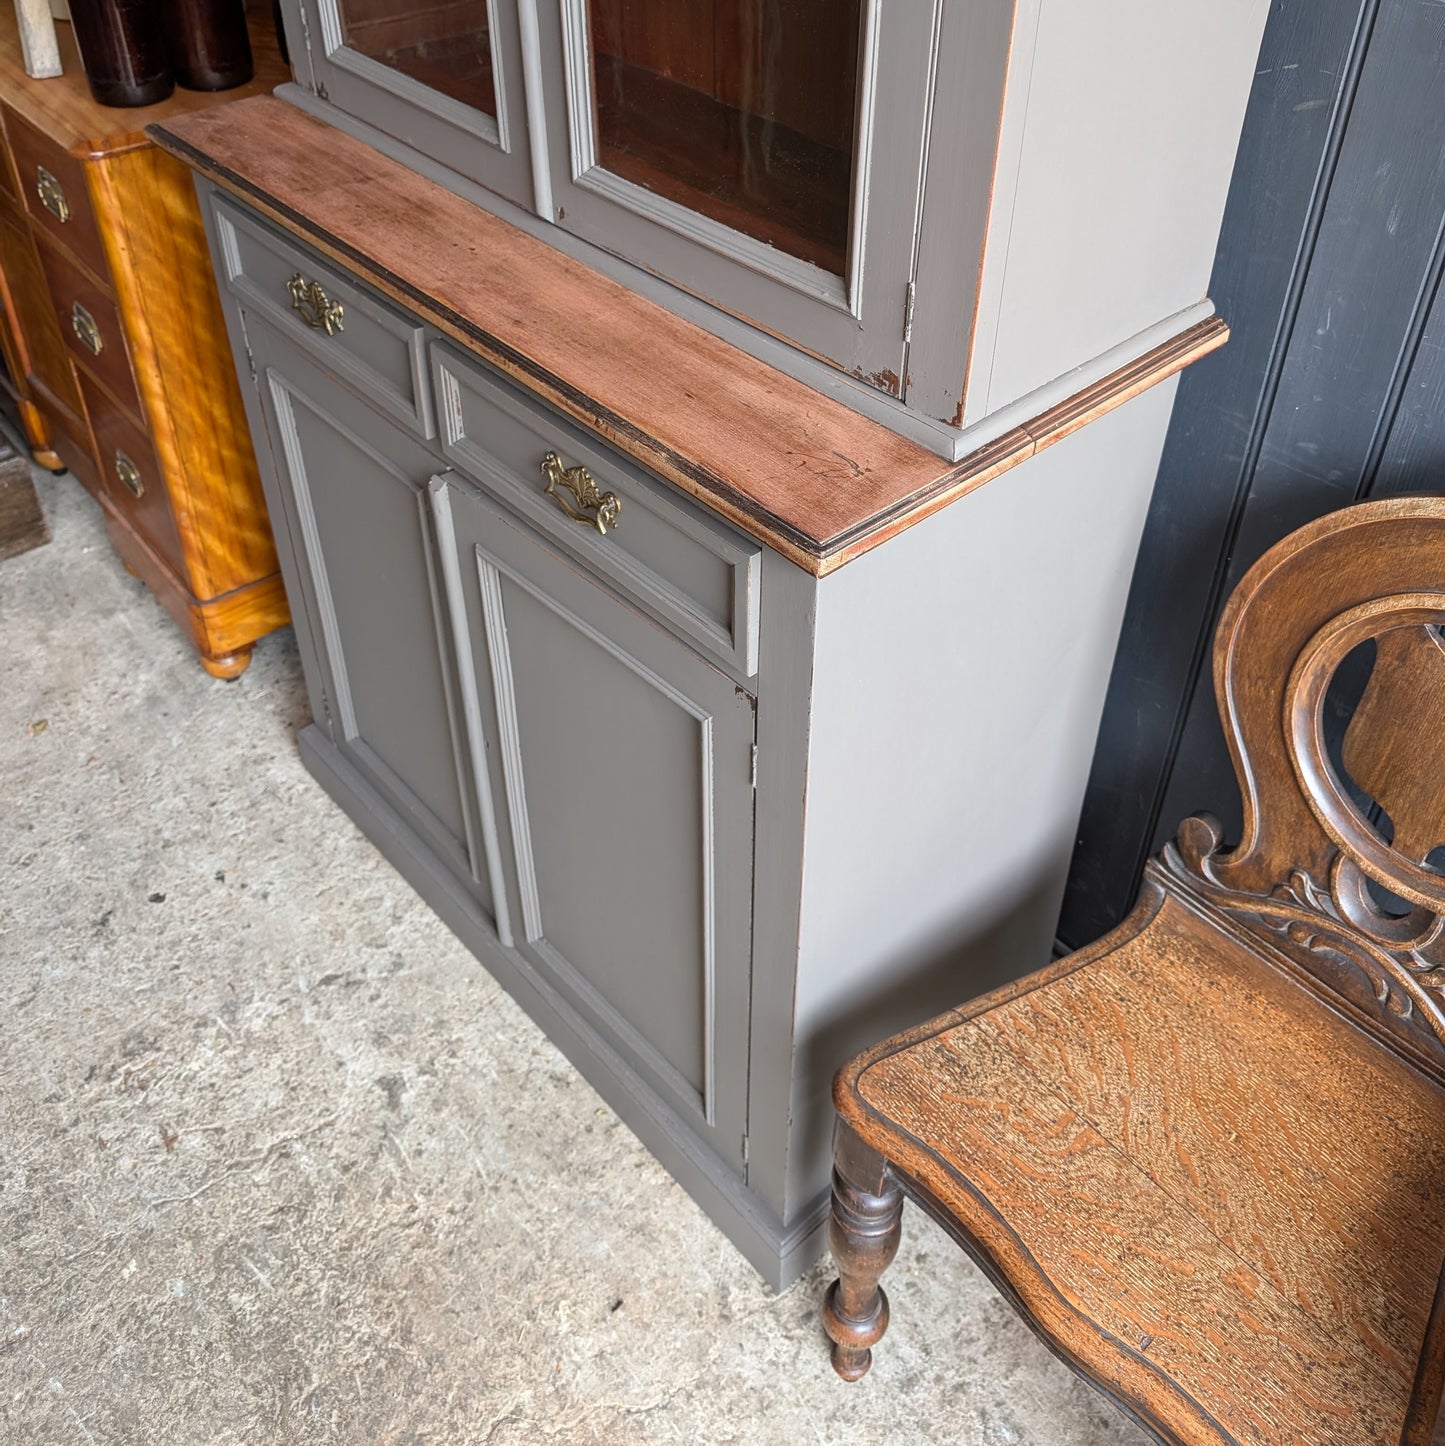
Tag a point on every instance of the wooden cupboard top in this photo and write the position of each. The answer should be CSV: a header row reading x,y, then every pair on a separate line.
x,y
791,467
62,107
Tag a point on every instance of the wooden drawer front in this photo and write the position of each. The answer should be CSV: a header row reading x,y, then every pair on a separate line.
x,y
353,333
90,325
690,570
9,189
131,476
12,208
56,195
44,355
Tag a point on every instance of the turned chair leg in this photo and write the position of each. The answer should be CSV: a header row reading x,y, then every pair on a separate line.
x,y
864,1230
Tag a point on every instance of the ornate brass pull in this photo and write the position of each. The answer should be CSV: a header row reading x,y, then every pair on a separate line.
x,y
316,308
592,508
129,475
52,194
83,324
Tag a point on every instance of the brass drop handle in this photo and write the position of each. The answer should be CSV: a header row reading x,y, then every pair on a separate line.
x,y
588,506
52,194
129,475
83,324
315,307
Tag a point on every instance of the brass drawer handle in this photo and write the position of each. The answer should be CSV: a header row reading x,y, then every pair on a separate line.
x,y
317,309
129,475
52,194
590,507
82,323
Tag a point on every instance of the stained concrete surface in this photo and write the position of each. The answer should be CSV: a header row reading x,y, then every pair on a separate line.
x,y
280,1163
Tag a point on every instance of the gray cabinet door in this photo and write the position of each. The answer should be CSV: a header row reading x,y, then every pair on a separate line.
x,y
625,762
445,77
355,494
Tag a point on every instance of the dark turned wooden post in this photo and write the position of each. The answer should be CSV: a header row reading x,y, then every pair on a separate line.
x,y
863,1232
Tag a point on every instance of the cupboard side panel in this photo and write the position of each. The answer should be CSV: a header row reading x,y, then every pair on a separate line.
x,y
175,332
947,763
1134,173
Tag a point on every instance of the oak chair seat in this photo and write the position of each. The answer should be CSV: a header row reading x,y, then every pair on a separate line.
x,y
1205,1157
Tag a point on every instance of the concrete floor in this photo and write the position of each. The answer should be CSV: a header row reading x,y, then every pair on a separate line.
x,y
280,1163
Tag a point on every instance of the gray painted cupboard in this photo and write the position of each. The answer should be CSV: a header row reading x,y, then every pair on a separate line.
x,y
706,591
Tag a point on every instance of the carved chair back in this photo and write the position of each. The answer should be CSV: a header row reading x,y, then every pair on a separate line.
x,y
1320,830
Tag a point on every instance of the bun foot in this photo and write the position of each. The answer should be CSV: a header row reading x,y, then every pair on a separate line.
x,y
228,666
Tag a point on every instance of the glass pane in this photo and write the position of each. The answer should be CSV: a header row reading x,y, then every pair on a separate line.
x,y
445,45
740,109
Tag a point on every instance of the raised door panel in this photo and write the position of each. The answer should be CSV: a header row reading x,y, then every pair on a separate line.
x,y
625,762
356,490
446,78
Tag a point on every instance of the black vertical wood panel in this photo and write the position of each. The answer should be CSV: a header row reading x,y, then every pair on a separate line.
x,y
1413,455
1354,333
1328,266
1280,178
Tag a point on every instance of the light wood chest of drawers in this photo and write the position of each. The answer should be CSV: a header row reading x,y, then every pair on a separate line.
x,y
115,349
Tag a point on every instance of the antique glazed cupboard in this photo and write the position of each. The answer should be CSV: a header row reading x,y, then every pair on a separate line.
x,y
707,458
115,349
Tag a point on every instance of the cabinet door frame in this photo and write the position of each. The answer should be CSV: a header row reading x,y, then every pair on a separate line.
x,y
491,150
514,554
857,322
285,378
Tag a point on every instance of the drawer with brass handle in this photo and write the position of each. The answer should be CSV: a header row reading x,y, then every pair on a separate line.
x,y
688,568
90,325
131,476
52,194
311,303
361,338
56,194
83,324
586,505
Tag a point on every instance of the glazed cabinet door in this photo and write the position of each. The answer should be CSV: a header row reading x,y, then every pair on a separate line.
x,y
445,77
762,154
625,763
354,493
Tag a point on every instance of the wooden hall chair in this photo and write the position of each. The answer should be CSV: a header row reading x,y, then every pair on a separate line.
x,y
1205,1157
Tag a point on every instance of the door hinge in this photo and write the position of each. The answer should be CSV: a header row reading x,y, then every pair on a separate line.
x,y
745,1149
908,313
250,359
755,766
